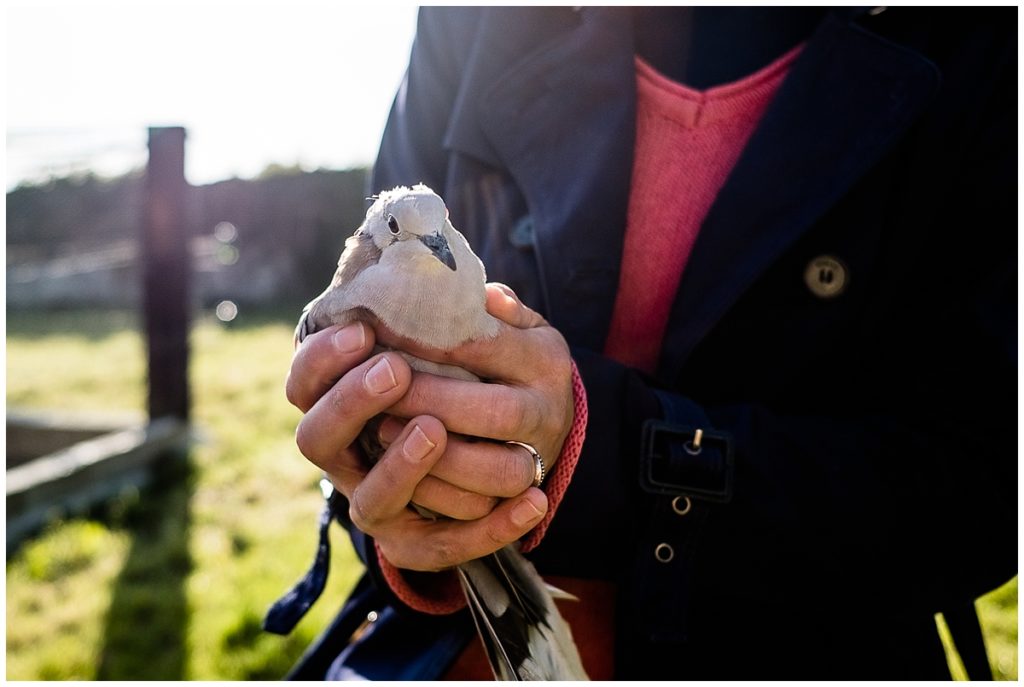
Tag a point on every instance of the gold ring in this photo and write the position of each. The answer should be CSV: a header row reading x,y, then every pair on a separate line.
x,y
538,463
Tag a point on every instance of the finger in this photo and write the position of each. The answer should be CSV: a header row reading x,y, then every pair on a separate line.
x,y
448,543
503,303
389,485
492,411
389,429
347,470
475,466
486,467
514,355
334,421
451,501
322,359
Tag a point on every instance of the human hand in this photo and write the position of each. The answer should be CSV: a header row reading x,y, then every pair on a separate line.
x,y
339,390
528,398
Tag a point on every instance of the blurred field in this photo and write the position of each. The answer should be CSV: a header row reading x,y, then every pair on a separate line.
x,y
173,583
170,584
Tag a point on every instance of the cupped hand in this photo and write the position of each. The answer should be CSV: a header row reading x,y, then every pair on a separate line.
x,y
339,389
526,396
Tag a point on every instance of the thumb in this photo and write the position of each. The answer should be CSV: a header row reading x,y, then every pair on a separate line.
x,y
504,304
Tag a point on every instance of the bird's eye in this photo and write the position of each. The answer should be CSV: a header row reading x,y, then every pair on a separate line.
x,y
393,224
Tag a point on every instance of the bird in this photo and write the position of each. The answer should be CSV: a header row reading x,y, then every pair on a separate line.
x,y
408,268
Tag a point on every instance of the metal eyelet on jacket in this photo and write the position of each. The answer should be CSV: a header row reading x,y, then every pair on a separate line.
x,y
681,505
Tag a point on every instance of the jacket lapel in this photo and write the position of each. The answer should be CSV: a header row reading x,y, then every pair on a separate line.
x,y
563,121
570,105
848,97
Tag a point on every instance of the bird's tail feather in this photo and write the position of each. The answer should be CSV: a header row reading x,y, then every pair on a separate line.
x,y
524,635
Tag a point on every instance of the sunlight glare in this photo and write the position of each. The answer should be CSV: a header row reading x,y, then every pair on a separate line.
x,y
305,84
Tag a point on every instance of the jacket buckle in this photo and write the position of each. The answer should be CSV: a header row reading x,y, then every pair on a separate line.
x,y
677,460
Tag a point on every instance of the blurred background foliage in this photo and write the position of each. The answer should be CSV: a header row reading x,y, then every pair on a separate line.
x,y
274,239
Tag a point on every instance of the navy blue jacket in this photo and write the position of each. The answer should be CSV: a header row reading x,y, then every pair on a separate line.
x,y
873,432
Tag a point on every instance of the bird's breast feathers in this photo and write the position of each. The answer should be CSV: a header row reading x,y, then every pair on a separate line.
x,y
398,267
422,300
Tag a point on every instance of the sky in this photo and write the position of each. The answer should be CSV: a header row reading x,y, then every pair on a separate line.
x,y
255,83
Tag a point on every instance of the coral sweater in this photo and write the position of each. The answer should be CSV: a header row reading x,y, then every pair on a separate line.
x,y
687,142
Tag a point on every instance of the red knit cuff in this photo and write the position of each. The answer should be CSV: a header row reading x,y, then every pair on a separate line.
x,y
446,595
558,482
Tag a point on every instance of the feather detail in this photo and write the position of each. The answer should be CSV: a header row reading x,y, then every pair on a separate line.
x,y
524,635
360,253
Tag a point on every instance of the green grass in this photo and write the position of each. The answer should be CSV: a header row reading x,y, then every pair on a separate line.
x,y
997,611
172,583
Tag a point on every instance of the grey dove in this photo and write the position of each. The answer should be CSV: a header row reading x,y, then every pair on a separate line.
x,y
409,269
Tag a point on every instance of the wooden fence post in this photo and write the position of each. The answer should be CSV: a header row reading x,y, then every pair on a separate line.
x,y
166,271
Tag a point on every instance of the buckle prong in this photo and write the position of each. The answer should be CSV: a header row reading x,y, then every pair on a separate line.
x,y
693,446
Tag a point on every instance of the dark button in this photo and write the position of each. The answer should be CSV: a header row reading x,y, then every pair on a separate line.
x,y
826,276
522,233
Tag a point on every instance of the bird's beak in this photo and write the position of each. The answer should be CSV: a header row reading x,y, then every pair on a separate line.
x,y
439,247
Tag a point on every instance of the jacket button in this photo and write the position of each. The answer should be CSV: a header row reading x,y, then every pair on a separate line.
x,y
522,234
826,276
664,553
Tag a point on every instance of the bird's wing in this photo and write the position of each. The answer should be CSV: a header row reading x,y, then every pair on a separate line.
x,y
360,252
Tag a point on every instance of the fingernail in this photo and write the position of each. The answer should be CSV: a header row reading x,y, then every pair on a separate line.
x,y
351,338
417,445
525,512
380,377
389,430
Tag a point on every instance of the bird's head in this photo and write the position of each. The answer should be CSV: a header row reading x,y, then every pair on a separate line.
x,y
412,222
